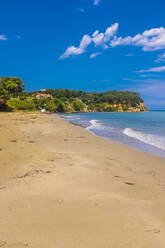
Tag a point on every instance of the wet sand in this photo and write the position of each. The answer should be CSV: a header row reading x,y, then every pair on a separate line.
x,y
61,186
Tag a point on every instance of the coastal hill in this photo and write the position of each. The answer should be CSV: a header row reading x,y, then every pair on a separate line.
x,y
14,97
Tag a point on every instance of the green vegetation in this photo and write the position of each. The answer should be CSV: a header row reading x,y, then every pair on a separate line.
x,y
11,87
18,104
13,97
78,105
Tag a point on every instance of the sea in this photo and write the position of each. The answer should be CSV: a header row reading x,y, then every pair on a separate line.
x,y
142,131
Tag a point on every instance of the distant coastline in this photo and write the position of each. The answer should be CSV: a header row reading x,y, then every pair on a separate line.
x,y
13,97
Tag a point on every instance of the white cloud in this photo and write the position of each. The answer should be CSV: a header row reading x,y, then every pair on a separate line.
x,y
94,55
3,37
154,69
101,39
85,42
146,75
96,2
95,33
160,58
72,50
97,38
149,40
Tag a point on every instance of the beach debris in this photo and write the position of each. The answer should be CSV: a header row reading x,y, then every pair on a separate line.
x,y
60,201
118,176
33,173
14,141
31,141
65,139
130,184
0,149
2,243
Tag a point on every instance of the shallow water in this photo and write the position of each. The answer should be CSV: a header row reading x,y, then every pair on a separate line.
x,y
143,131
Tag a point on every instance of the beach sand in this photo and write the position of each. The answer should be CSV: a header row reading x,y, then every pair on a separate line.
x,y
62,187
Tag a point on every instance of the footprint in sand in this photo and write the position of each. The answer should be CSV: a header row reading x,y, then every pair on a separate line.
x,y
2,243
130,184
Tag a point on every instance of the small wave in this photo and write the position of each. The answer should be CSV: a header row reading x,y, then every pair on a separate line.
x,y
71,117
94,124
154,140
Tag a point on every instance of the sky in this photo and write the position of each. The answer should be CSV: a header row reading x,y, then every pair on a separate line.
x,y
90,45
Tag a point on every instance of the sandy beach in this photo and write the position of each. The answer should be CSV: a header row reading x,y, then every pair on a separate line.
x,y
61,186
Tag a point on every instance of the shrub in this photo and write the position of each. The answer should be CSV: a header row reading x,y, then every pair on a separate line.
x,y
17,104
78,105
63,107
50,106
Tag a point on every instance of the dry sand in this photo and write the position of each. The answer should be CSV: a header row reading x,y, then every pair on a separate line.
x,y
62,187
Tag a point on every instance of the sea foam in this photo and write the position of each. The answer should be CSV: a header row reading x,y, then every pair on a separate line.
x,y
94,124
154,140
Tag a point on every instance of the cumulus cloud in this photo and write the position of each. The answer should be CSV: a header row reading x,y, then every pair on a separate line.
x,y
160,58
149,40
96,2
101,39
154,69
94,55
97,38
3,37
72,50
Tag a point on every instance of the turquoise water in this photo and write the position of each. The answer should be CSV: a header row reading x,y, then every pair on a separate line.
x,y
143,131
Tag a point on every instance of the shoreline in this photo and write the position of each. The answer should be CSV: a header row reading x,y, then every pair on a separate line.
x,y
61,186
147,147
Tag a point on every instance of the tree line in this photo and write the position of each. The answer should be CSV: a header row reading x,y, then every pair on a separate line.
x,y
14,97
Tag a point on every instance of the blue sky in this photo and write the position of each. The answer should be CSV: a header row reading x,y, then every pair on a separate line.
x,y
86,44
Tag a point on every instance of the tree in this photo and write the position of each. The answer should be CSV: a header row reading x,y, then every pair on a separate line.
x,y
50,106
78,105
11,86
